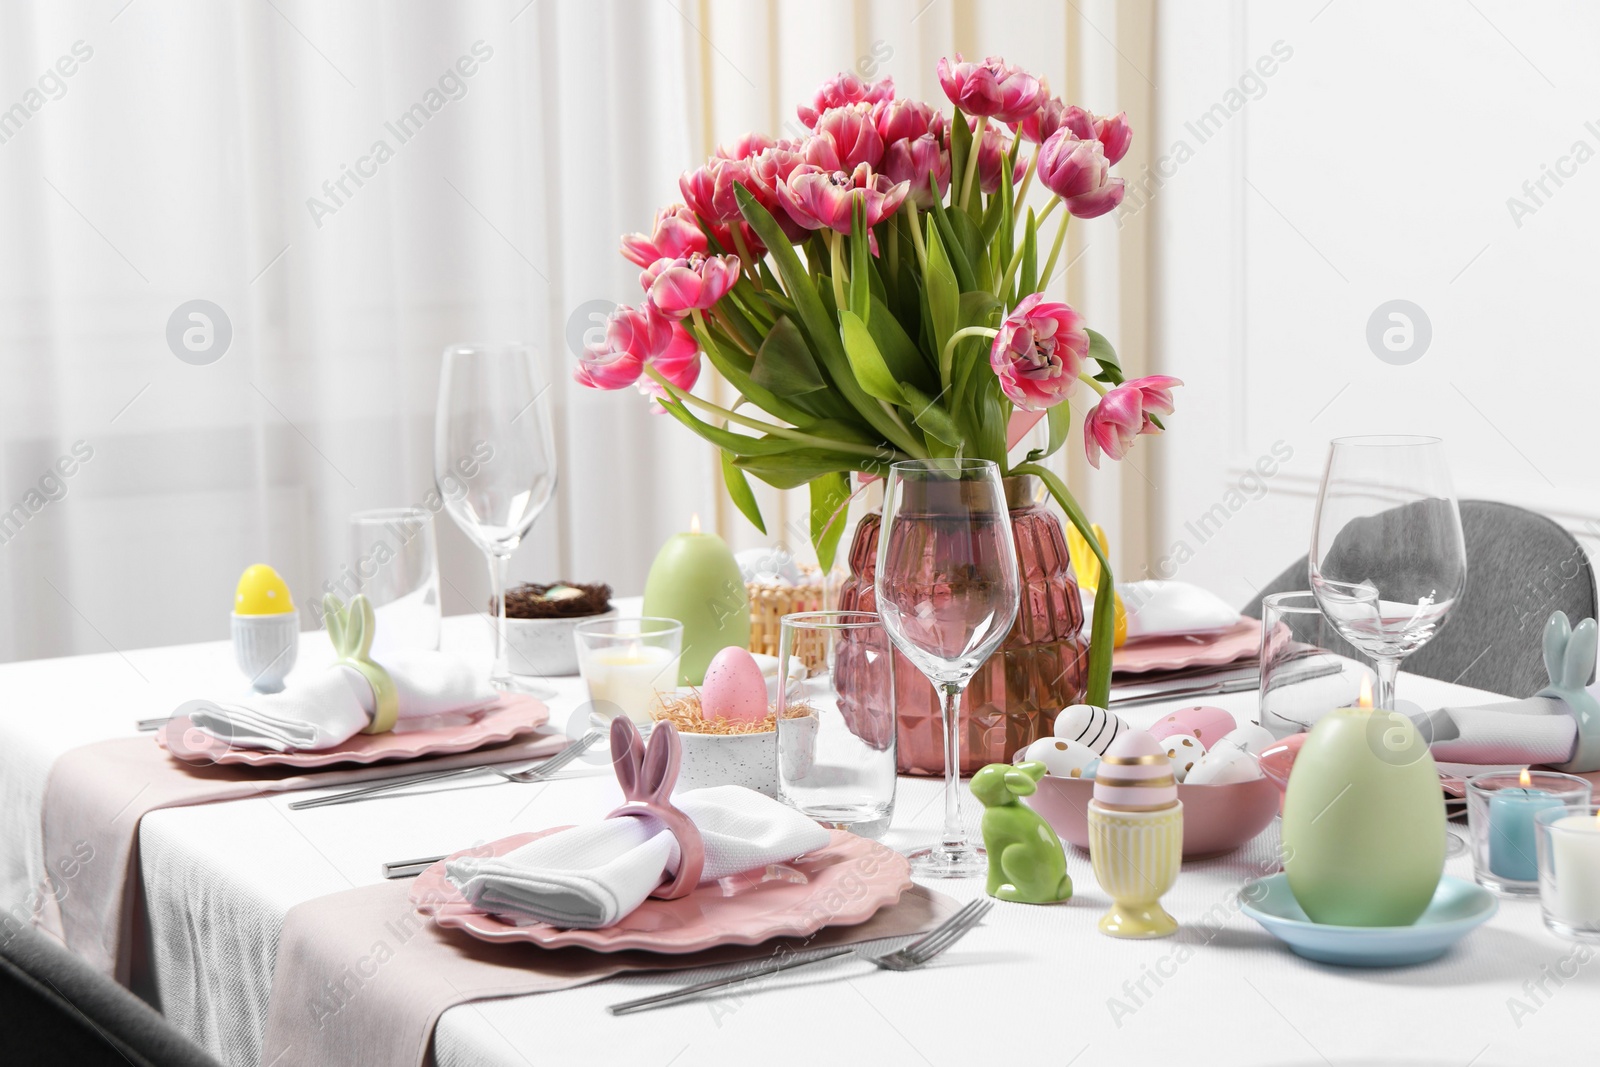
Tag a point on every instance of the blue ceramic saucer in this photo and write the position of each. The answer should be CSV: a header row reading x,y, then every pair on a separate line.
x,y
1457,907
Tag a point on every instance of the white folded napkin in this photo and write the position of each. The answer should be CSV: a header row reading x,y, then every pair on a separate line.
x,y
1158,608
332,706
1536,730
594,875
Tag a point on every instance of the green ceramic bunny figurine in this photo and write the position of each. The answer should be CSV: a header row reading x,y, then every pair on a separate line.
x,y
1026,862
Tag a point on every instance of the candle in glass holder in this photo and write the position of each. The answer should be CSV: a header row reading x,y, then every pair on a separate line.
x,y
1502,813
696,580
1512,852
1569,873
627,662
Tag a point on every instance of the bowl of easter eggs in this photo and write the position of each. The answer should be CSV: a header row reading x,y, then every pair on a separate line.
x,y
1226,799
728,726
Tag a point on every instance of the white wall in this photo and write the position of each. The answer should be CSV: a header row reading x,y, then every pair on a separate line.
x,y
1375,163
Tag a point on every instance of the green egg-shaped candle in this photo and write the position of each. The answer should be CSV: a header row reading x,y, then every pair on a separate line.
x,y
696,580
1363,821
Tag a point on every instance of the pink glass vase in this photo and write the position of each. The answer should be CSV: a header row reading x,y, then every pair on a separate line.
x,y
1013,699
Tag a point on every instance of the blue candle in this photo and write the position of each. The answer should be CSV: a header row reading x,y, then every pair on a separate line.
x,y
1512,852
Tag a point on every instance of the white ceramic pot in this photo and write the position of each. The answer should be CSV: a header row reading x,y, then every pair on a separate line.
x,y
266,647
545,647
750,760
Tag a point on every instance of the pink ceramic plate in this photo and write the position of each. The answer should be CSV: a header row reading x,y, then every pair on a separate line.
x,y
511,717
1189,650
1216,818
840,885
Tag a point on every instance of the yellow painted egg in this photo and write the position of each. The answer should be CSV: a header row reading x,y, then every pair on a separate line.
x,y
261,592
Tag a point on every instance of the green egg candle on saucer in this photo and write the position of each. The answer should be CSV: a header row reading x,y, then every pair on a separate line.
x,y
266,628
1363,820
696,580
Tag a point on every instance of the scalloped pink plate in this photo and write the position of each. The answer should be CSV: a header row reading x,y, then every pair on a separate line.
x,y
513,716
1189,650
841,884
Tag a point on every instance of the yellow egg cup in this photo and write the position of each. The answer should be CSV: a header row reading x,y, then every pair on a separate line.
x,y
351,630
1136,856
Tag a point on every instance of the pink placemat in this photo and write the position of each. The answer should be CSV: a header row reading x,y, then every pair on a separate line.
x,y
360,977
96,795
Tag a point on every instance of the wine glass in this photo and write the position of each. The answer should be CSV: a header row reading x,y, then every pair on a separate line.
x,y
494,464
947,590
1388,560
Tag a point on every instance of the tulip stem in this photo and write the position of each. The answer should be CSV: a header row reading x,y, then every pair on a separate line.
x,y
849,447
946,356
972,160
1096,386
1051,206
1027,180
916,234
745,262
1055,250
836,256
726,322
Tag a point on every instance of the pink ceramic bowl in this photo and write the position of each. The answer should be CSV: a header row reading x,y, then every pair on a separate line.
x,y
1216,818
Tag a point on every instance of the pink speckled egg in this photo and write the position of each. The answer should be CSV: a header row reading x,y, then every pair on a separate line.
x,y
734,688
1202,722
1135,775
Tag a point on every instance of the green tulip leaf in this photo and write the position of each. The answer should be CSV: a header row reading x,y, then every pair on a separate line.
x,y
784,364
739,491
830,495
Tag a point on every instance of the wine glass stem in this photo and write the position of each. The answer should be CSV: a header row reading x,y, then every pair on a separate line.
x,y
498,567
1388,669
955,833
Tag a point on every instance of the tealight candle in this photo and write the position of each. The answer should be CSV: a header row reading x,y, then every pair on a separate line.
x,y
1569,871
696,580
1501,809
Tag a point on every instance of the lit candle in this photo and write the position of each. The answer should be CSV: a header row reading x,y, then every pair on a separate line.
x,y
1574,899
696,580
1512,852
629,677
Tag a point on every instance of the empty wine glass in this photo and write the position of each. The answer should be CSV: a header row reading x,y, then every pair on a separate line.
x,y
947,590
494,463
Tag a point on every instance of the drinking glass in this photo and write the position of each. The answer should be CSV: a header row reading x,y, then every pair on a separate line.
x,y
1388,560
947,590
1304,671
494,463
836,763
395,559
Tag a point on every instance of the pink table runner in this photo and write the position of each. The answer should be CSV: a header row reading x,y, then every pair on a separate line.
x,y
96,795
360,977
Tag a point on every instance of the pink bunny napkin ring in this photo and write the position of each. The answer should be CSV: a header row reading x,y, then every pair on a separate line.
x,y
647,775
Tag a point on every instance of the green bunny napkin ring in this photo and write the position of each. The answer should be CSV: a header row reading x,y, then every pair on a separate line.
x,y
351,629
1569,655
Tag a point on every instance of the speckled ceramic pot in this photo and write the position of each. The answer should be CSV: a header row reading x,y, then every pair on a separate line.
x,y
750,760
545,647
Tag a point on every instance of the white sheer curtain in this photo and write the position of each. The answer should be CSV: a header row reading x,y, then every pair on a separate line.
x,y
203,151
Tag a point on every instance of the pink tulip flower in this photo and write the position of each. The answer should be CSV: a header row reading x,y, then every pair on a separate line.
x,y
679,363
912,161
1044,121
993,87
770,169
900,120
846,137
818,199
632,336
1038,352
744,147
1113,132
1094,204
993,152
709,189
1124,413
694,282
841,90
676,233
1072,167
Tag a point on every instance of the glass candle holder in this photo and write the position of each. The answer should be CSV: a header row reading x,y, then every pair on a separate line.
x,y
1569,870
1501,809
627,662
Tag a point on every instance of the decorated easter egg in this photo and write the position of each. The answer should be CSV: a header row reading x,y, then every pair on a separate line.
x,y
1225,763
261,592
1205,724
1062,758
1184,752
1089,725
1135,775
734,688
1251,737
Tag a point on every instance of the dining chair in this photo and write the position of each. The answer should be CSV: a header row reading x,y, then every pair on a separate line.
x,y
1521,566
59,1010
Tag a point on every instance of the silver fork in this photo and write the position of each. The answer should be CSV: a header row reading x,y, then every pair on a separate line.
x,y
533,774
914,955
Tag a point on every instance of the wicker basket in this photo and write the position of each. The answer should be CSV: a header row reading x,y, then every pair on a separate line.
x,y
770,603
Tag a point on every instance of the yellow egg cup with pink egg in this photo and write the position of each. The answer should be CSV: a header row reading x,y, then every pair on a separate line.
x,y
1136,836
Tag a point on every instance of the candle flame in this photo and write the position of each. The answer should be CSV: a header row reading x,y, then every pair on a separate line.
x,y
1366,693
694,523
1526,779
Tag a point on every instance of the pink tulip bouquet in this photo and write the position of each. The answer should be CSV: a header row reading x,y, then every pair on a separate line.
x,y
875,289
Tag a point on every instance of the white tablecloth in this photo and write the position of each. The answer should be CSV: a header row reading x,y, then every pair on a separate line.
x,y
1039,982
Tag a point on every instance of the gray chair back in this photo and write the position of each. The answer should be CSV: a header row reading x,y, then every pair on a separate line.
x,y
59,1010
1521,566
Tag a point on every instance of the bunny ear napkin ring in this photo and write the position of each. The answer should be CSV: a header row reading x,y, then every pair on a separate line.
x,y
647,775
1569,655
351,630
